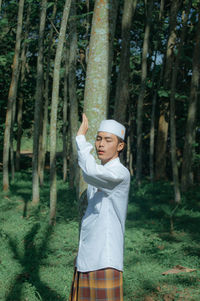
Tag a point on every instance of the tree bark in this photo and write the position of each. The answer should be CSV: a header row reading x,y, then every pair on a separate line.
x,y
72,96
142,93
122,88
42,156
177,194
12,97
97,79
38,105
188,152
65,110
161,146
54,107
22,79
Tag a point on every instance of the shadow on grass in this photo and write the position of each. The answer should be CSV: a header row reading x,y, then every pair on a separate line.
x,y
30,263
67,208
153,206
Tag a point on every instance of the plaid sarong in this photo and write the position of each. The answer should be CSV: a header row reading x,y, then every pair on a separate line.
x,y
104,285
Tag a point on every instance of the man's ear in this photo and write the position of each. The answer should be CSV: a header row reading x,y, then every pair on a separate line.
x,y
120,146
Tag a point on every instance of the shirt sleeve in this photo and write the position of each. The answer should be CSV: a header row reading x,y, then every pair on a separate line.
x,y
94,174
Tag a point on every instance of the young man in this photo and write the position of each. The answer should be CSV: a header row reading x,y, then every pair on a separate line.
x,y
99,264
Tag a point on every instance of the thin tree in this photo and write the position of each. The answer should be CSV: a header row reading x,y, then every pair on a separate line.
x,y
42,155
72,94
12,97
65,111
38,104
177,194
163,125
22,80
54,107
145,49
122,87
188,152
156,87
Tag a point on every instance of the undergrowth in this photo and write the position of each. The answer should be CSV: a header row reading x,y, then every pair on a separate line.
x,y
36,260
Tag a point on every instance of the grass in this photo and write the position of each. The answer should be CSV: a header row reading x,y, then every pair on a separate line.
x,y
36,261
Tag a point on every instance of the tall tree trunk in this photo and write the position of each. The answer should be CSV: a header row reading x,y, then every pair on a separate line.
x,y
114,4
12,161
87,19
72,95
164,110
177,194
142,93
54,108
122,88
22,79
155,94
12,97
188,152
0,4
46,101
65,110
96,86
38,105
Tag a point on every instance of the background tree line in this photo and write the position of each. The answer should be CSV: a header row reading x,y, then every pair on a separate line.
x,y
135,61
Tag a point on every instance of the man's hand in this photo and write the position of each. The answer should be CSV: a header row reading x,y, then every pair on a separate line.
x,y
84,126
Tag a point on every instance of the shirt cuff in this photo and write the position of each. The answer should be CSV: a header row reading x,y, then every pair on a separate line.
x,y
80,140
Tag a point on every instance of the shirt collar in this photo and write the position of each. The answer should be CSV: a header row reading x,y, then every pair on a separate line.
x,y
115,160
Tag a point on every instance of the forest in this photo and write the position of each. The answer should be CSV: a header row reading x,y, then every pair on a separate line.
x,y
134,61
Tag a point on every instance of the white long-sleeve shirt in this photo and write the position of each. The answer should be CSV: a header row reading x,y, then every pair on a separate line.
x,y
101,242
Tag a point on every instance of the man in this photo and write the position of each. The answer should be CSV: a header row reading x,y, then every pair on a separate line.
x,y
99,264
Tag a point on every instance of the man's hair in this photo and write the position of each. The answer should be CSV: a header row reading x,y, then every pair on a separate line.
x,y
120,140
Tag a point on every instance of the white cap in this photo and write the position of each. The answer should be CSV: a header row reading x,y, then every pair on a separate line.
x,y
113,127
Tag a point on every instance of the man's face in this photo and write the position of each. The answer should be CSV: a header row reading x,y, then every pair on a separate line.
x,y
107,146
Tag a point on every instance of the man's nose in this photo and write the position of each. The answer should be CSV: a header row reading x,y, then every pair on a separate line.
x,y
101,143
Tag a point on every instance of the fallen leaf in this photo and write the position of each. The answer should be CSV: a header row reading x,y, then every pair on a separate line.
x,y
161,247
178,269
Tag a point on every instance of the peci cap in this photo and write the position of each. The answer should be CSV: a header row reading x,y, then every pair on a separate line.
x,y
113,127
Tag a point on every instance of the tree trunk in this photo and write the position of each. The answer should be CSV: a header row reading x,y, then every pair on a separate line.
x,y
42,156
12,160
142,93
12,97
188,152
72,95
97,79
164,110
114,4
177,194
155,94
38,105
22,79
54,107
65,110
122,88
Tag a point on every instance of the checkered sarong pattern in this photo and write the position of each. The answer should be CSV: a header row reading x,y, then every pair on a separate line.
x,y
101,285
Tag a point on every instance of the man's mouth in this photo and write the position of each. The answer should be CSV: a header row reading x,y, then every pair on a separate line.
x,y
100,152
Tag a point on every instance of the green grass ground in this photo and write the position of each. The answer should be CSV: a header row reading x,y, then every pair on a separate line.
x,y
36,261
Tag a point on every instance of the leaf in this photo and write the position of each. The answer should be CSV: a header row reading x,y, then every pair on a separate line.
x,y
163,93
178,269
